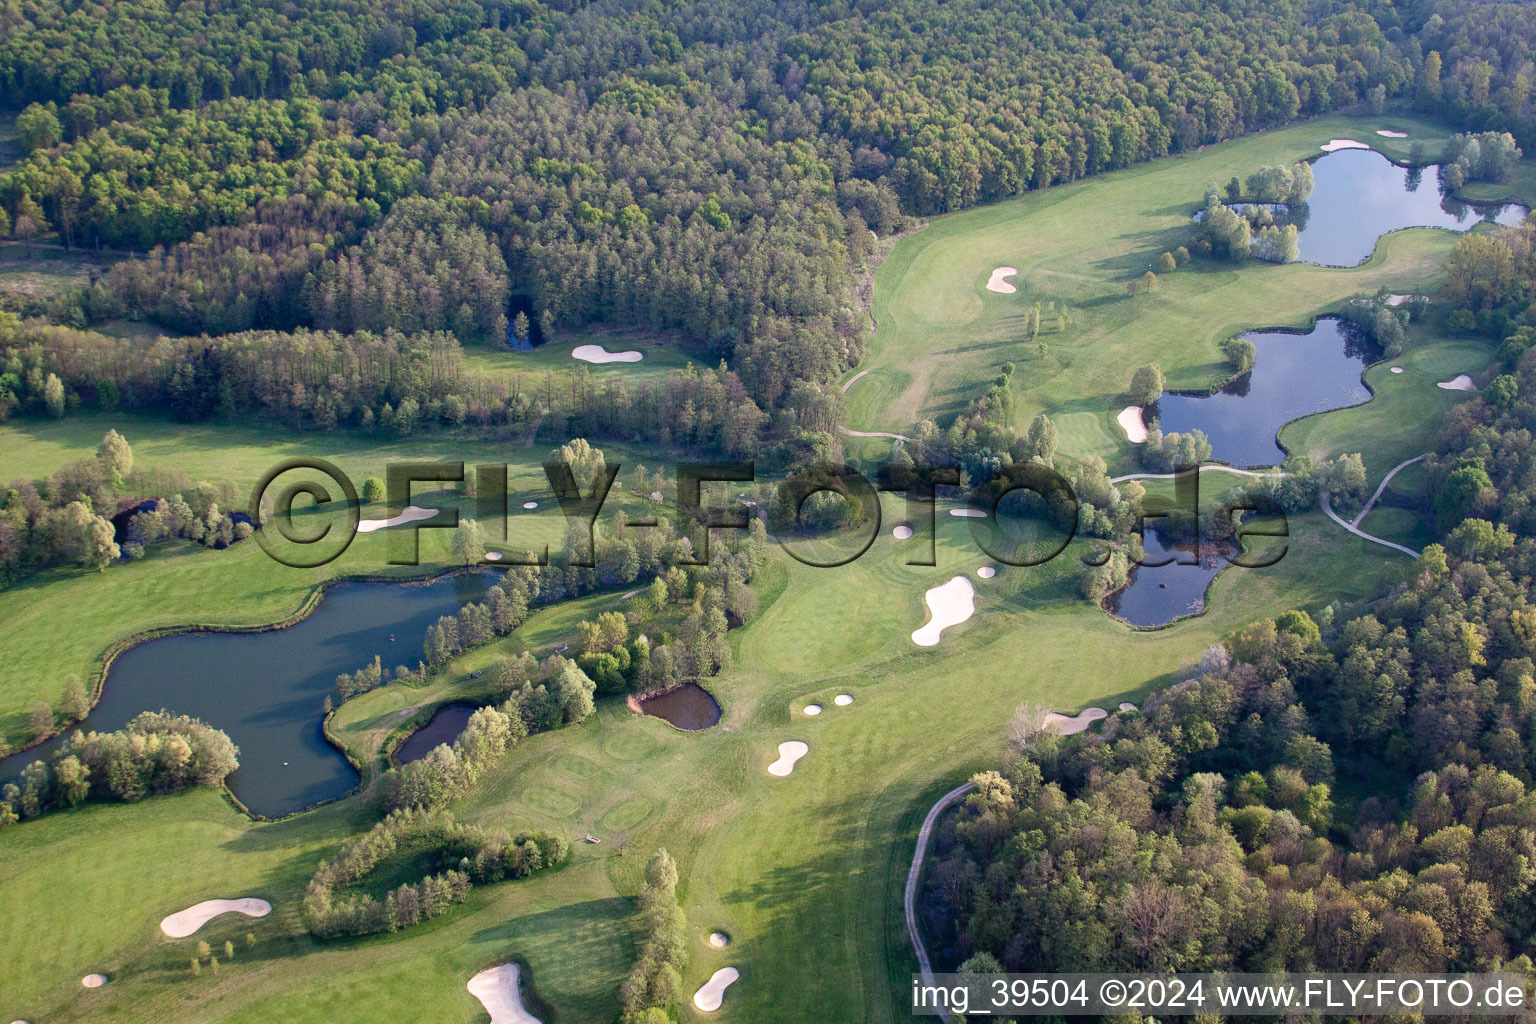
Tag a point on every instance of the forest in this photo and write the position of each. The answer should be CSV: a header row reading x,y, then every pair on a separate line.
x,y
434,168
1346,793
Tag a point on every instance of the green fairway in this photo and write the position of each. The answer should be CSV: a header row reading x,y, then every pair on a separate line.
x,y
1079,245
805,871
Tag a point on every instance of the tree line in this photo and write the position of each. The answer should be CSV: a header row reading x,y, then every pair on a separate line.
x,y
157,752
466,856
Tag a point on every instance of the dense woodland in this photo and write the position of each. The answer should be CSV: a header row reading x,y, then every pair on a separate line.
x,y
432,167
1348,793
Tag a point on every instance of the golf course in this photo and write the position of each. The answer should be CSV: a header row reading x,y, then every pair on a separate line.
x,y
803,869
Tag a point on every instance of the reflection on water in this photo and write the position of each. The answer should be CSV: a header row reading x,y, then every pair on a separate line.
x,y
266,689
1158,594
1294,373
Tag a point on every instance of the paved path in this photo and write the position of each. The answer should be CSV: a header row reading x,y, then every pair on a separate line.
x,y
1383,486
909,900
1328,508
1209,467
533,431
872,433
852,380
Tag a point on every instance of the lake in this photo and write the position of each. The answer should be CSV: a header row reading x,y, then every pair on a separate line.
x,y
266,689
1294,373
1158,594
1360,195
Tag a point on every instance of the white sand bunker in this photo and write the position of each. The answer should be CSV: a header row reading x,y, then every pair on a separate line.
x,y
790,751
1066,726
1126,705
1397,369
948,605
1131,422
412,514
1388,133
712,994
902,532
986,572
598,354
493,556
968,513
530,504
719,940
995,283
1337,144
186,922
1459,383
842,700
812,709
1399,299
93,981
496,988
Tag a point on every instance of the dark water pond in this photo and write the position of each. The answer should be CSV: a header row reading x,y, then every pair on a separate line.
x,y
1360,195
1158,594
689,706
266,689
446,724
1294,373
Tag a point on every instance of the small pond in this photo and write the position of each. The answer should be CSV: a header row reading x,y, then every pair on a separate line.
x,y
446,724
1294,373
1360,195
266,689
689,707
1158,594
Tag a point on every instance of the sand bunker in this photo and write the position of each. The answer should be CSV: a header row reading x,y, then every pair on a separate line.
x,y
186,922
712,994
842,700
1066,726
948,605
1398,299
598,354
1388,133
968,513
530,504
1337,144
93,981
1126,705
790,751
493,556
986,572
496,988
812,709
719,940
1397,369
1131,422
995,283
412,514
1459,383
902,532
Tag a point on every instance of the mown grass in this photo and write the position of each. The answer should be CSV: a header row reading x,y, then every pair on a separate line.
x,y
1080,245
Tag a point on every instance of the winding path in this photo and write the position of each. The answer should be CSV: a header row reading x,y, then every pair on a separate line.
x,y
853,380
872,433
1209,467
909,899
1353,525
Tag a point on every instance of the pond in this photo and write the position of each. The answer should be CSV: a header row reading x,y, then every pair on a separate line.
x,y
1294,373
446,724
1158,594
689,707
1360,195
266,689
